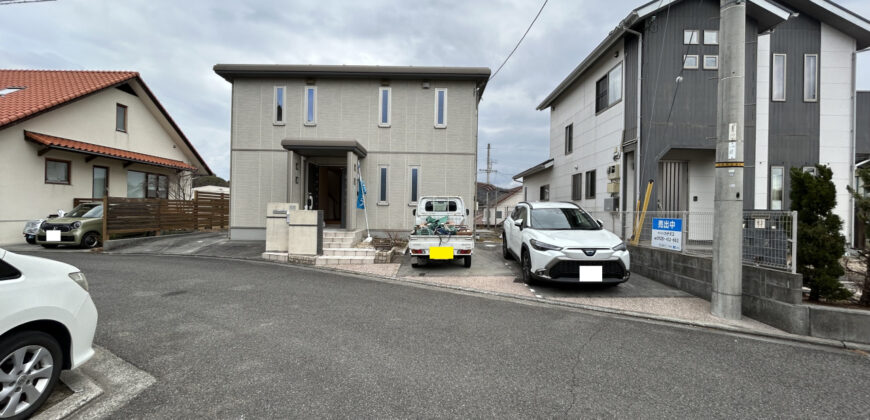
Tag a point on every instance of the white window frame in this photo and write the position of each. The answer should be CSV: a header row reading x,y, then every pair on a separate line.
x,y
381,90
686,62
443,123
411,182
816,87
275,120
784,77
615,101
305,105
696,37
781,187
706,56
384,186
711,31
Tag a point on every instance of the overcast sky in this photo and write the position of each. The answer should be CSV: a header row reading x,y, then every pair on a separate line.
x,y
174,44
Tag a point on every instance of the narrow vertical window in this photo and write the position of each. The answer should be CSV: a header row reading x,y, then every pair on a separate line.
x,y
310,105
811,78
279,105
776,181
440,108
777,81
545,192
382,192
384,106
101,182
569,139
577,186
121,118
614,86
590,184
415,173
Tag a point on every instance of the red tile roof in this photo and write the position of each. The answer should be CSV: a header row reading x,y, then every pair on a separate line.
x,y
44,89
95,149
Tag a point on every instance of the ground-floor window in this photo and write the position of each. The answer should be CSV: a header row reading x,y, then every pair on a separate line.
x,y
576,186
545,192
590,184
101,181
415,178
777,174
382,188
57,171
147,185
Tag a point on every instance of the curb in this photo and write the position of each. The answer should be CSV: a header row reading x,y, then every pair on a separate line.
x,y
594,310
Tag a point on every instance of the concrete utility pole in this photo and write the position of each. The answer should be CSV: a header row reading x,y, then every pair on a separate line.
x,y
728,216
488,171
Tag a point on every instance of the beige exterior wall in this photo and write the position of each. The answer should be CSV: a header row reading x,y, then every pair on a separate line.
x,y
348,109
23,190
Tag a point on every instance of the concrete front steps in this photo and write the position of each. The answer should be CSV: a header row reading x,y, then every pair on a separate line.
x,y
339,248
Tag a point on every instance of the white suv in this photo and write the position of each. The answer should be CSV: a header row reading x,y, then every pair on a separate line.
x,y
562,242
47,324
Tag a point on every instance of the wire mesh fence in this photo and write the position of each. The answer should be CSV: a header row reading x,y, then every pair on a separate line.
x,y
768,236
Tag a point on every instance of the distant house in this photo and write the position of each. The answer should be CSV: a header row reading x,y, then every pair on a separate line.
x,y
304,133
501,205
80,134
642,106
213,189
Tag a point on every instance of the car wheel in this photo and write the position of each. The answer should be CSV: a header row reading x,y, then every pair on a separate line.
x,y
52,246
467,261
504,250
526,264
30,365
419,262
31,239
90,240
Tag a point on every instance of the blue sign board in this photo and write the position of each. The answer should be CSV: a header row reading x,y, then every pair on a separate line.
x,y
667,234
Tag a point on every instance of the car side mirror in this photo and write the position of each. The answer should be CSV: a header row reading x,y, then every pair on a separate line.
x,y
414,212
519,223
467,212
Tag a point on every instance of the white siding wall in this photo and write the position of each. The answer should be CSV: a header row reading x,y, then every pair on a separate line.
x,y
762,127
596,137
836,100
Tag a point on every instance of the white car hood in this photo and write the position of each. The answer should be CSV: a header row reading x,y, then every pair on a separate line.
x,y
579,238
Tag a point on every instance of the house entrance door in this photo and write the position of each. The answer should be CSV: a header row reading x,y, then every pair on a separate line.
x,y
327,192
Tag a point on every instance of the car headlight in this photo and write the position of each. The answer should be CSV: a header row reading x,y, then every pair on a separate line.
x,y
620,247
80,279
43,225
543,246
75,225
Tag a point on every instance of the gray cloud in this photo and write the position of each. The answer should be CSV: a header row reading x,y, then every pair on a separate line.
x,y
174,45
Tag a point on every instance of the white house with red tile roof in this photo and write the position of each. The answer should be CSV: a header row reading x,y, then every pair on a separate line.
x,y
79,134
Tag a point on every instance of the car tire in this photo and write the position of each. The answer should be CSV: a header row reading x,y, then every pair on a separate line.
x,y
467,261
504,250
50,246
420,262
526,267
90,240
34,388
31,239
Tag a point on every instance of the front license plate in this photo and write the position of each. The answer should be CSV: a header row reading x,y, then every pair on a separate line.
x,y
52,236
591,273
441,253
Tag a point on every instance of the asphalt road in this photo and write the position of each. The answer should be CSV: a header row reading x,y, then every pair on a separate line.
x,y
242,339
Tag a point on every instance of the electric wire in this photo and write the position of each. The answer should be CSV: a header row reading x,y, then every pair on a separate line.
x,y
520,42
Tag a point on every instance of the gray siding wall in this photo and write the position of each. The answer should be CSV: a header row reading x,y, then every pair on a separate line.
x,y
862,131
794,124
630,92
691,124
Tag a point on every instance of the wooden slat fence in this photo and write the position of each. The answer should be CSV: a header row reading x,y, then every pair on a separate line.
x,y
143,215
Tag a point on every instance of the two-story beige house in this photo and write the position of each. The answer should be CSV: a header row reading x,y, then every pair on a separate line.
x,y
304,133
82,134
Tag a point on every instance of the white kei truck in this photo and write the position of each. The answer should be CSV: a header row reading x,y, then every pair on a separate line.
x,y
451,240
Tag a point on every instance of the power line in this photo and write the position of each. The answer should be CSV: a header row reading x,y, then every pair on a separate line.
x,y
7,2
521,40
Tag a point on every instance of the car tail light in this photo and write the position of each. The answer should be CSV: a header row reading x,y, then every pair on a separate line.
x,y
464,252
416,251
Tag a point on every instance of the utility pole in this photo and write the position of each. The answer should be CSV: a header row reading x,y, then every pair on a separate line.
x,y
488,171
728,216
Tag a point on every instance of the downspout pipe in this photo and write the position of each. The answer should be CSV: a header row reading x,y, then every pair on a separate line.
x,y
637,151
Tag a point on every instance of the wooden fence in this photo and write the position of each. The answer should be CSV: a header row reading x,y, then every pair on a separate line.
x,y
207,211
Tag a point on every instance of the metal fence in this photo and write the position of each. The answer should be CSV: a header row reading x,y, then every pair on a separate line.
x,y
768,236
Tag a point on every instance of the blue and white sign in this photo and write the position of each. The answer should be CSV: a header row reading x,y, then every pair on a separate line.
x,y
667,234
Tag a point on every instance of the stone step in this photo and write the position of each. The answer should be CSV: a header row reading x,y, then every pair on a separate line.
x,y
337,243
349,252
344,260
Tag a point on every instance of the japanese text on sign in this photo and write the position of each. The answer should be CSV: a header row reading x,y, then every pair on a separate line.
x,y
667,234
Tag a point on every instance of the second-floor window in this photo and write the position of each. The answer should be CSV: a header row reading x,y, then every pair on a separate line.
x,y
777,80
609,89
691,37
811,78
310,105
569,139
280,98
384,106
440,108
711,62
711,37
121,118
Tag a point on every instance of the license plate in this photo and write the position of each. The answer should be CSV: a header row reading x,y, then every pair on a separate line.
x,y
52,236
591,273
441,253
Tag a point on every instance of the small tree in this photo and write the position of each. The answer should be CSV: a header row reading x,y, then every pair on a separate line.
x,y
862,211
203,181
820,243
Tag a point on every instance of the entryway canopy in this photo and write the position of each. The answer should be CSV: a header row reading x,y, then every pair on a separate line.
x,y
324,147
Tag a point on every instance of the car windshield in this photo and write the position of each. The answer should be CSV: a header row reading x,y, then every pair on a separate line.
x,y
563,219
86,211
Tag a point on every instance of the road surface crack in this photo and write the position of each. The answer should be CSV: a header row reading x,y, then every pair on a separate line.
x,y
574,378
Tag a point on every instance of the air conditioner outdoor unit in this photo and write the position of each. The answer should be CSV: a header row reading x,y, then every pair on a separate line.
x,y
613,171
611,204
613,188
